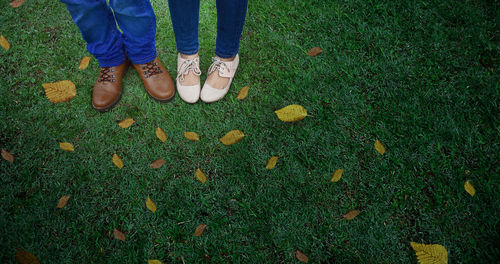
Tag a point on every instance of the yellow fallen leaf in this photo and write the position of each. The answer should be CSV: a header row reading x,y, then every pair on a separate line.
x,y
118,234
127,122
61,91
117,161
151,205
301,256
154,261
63,201
469,188
243,93
199,230
427,254
157,163
314,51
379,147
25,257
200,175
16,3
232,137
337,175
271,162
66,146
84,63
7,156
160,134
191,136
4,43
291,113
351,214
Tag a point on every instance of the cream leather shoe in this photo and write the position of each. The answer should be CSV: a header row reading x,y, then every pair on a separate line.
x,y
225,69
188,93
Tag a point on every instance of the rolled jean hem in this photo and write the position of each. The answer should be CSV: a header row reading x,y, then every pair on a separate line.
x,y
220,55
146,59
188,52
112,62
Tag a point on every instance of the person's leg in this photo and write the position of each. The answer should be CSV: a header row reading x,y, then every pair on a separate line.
x,y
185,16
137,21
98,28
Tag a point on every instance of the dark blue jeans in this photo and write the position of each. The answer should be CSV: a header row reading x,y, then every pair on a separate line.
x,y
230,20
96,21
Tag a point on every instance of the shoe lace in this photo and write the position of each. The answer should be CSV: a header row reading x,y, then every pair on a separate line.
x,y
217,65
105,76
150,69
187,65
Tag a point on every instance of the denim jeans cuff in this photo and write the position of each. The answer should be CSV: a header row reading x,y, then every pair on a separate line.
x,y
225,56
111,61
144,59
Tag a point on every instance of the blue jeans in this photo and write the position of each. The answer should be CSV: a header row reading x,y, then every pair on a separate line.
x,y
96,21
230,20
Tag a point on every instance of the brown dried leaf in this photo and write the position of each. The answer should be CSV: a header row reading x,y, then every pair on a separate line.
x,y
199,230
157,163
160,134
7,156
271,162
127,122
243,93
16,3
200,175
66,146
337,175
291,113
301,256
117,161
25,257
4,43
469,188
154,261
61,91
379,147
118,234
63,201
351,214
84,63
151,205
191,136
232,137
314,51
430,254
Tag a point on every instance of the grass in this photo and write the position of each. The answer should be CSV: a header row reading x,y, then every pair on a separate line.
x,y
421,76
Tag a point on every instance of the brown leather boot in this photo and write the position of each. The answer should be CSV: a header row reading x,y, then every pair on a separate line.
x,y
108,87
157,81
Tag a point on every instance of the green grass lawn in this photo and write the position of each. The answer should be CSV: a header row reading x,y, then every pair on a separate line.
x,y
421,76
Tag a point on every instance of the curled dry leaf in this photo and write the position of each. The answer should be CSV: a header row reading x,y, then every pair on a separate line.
x,y
127,122
66,146
7,156
291,113
379,147
4,43
200,175
16,3
199,230
301,256
157,163
314,51
243,93
427,254
154,261
118,234
84,63
151,205
232,137
271,163
469,188
25,257
351,214
160,134
63,201
61,91
117,161
191,136
337,175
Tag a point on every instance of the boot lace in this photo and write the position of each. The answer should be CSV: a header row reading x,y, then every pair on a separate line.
x,y
150,69
188,65
105,75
